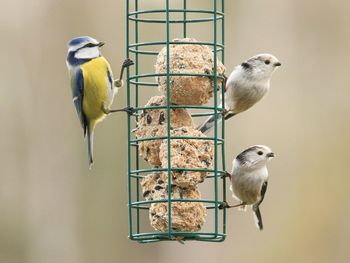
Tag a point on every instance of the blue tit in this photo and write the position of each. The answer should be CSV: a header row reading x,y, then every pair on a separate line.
x,y
92,84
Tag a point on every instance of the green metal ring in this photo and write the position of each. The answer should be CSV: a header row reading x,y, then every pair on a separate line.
x,y
184,234
175,138
152,75
135,50
173,200
154,84
209,176
145,207
173,106
152,170
133,16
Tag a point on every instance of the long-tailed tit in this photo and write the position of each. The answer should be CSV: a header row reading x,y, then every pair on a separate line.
x,y
246,85
249,178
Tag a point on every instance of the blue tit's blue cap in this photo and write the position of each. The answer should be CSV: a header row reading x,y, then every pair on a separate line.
x,y
82,40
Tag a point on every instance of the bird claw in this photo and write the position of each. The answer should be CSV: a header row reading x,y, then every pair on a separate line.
x,y
128,62
128,109
226,175
224,205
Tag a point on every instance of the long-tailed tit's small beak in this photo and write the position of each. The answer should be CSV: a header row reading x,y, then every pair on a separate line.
x,y
277,64
270,155
100,44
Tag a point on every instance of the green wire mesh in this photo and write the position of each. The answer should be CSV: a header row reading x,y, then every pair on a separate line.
x,y
136,82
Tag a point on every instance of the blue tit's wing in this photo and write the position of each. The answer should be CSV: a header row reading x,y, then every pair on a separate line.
x,y
78,94
110,80
112,90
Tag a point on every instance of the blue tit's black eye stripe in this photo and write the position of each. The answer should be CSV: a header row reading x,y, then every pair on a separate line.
x,y
90,45
87,45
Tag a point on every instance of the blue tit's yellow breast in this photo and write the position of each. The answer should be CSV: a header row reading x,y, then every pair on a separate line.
x,y
95,87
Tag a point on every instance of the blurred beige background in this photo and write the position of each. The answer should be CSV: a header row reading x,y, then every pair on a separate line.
x,y
53,209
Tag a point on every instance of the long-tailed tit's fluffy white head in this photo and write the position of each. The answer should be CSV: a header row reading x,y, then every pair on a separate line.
x,y
254,157
261,66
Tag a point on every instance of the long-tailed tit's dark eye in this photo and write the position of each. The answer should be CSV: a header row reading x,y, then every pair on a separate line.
x,y
267,62
260,153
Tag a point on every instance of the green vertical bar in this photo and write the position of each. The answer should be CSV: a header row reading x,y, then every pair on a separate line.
x,y
223,35
222,116
128,121
216,122
168,113
185,18
136,105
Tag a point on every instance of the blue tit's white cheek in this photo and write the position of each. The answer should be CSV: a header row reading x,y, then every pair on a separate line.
x,y
87,53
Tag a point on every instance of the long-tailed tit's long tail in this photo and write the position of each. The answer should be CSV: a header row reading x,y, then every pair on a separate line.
x,y
257,218
209,123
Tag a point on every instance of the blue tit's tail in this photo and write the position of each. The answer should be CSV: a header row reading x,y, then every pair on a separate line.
x,y
90,143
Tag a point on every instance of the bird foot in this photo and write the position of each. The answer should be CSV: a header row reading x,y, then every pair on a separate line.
x,y
226,175
128,109
226,205
127,63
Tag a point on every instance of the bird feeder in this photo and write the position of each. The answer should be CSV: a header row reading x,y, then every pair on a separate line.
x,y
167,191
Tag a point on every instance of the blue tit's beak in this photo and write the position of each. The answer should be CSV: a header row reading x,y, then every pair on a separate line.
x,y
270,155
277,64
100,44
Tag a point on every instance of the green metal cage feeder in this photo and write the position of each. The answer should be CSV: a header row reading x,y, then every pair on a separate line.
x,y
184,17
